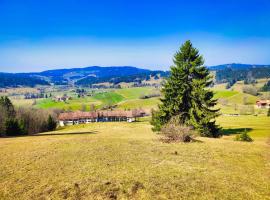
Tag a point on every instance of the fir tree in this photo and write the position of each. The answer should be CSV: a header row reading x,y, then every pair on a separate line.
x,y
13,127
186,95
8,106
268,113
51,124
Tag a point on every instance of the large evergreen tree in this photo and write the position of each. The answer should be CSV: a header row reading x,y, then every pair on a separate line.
x,y
186,94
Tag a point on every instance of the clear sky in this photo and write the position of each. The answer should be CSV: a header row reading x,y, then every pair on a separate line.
x,y
37,35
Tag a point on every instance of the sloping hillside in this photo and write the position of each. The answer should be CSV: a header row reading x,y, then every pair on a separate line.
x,y
15,80
127,161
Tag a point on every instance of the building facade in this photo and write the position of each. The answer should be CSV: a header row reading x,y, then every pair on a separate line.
x,y
263,104
79,117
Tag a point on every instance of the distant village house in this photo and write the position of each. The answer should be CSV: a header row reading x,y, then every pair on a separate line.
x,y
263,104
79,117
63,98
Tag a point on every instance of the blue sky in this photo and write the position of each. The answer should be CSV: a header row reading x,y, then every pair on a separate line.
x,y
36,35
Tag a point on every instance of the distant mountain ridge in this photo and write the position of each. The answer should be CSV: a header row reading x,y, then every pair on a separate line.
x,y
235,66
14,80
62,76
82,76
97,70
115,74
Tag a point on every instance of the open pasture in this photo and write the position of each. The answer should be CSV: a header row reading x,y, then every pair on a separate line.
x,y
127,161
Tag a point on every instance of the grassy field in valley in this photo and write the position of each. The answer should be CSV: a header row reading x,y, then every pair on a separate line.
x,y
109,98
134,93
127,98
127,161
74,104
139,103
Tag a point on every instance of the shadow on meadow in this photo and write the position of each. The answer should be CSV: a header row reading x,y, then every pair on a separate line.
x,y
233,131
55,134
67,133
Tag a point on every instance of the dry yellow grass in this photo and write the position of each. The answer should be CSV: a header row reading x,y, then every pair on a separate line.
x,y
127,161
20,102
238,86
221,86
22,90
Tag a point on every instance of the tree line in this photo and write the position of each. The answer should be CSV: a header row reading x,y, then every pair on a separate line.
x,y
247,75
24,121
266,87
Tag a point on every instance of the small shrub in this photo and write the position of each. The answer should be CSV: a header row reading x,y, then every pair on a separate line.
x,y
156,121
148,96
174,131
244,137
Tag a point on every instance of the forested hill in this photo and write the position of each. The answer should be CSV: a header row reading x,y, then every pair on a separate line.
x,y
115,79
96,71
15,80
79,76
240,72
115,74
94,74
236,66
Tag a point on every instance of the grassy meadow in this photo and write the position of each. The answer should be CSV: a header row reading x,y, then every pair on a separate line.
x,y
127,161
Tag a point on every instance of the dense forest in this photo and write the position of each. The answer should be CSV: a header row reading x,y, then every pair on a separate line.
x,y
233,75
14,80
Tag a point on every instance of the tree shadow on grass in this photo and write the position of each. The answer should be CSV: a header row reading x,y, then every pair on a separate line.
x,y
66,133
53,134
196,140
233,131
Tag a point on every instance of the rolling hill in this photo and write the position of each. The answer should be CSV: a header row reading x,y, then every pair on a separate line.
x,y
236,66
116,74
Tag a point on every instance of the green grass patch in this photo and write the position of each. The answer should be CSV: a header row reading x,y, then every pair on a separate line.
x,y
109,97
74,104
134,93
139,103
224,93
258,126
240,98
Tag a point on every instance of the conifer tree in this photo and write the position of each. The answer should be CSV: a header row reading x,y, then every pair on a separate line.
x,y
186,96
268,113
8,106
51,123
